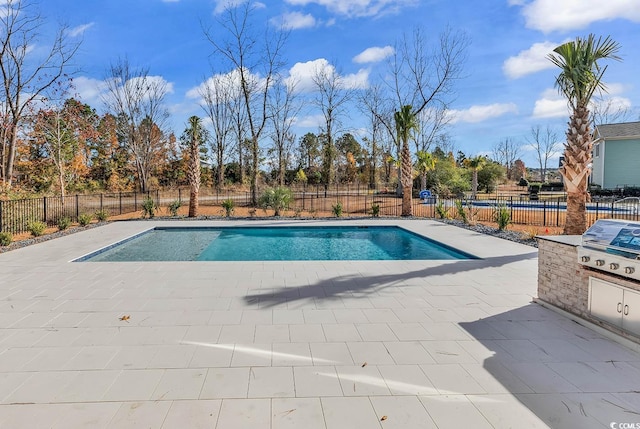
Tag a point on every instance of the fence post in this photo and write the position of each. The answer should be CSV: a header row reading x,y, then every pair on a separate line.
x,y
544,213
1,214
101,202
44,209
120,201
135,201
77,207
558,213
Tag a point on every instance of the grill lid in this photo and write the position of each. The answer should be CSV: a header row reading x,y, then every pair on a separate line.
x,y
619,237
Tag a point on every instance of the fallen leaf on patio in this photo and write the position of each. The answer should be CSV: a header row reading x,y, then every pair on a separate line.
x,y
125,318
286,413
364,364
383,418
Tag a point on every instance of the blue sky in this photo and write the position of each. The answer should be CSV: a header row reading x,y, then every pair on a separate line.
x,y
508,83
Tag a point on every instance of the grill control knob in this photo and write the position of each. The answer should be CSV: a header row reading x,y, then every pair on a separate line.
x,y
586,259
629,270
614,266
599,262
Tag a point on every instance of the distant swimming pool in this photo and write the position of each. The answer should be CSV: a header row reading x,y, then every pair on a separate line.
x,y
275,244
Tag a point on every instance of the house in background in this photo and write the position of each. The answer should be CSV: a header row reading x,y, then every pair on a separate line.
x,y
616,155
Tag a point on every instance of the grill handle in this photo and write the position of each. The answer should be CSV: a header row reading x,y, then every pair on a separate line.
x,y
619,307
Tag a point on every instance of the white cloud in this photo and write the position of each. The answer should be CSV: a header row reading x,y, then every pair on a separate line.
x,y
554,15
311,121
374,54
480,113
88,90
357,8
229,80
80,29
222,5
551,105
529,61
294,21
301,75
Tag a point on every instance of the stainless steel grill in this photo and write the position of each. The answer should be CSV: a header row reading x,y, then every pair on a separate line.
x,y
612,246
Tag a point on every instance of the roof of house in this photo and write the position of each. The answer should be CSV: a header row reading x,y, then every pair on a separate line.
x,y
623,129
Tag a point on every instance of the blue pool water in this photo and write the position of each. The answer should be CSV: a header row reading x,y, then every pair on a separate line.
x,y
276,244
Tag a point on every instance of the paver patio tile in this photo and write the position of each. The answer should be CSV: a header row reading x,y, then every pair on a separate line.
x,y
86,415
454,412
41,387
291,354
202,334
447,352
245,414
316,381
374,353
451,379
173,356
330,354
133,357
86,386
339,332
407,380
134,385
295,413
180,384
349,413
225,383
134,415
408,352
251,355
540,378
505,410
361,381
402,412
272,333
29,416
307,333
271,382
237,334
50,359
375,332
201,414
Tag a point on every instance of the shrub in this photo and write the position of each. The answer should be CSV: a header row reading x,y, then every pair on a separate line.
x,y
278,199
174,206
228,206
460,211
149,208
441,210
313,212
36,228
102,215
502,216
530,233
375,210
337,209
85,219
64,223
5,238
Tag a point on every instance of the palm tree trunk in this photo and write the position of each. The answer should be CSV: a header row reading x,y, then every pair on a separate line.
x,y
575,171
474,184
406,180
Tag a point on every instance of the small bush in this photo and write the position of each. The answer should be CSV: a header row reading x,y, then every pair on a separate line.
x,y
297,211
313,212
502,216
5,238
36,228
277,199
460,211
228,206
85,219
530,233
64,223
375,210
441,210
102,215
337,209
149,208
174,207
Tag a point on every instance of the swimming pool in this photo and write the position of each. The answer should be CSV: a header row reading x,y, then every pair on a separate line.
x,y
275,244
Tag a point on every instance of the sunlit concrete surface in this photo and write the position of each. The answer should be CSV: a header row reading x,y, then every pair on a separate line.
x,y
323,344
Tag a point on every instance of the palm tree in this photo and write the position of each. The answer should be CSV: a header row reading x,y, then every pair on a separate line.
x,y
475,164
195,136
579,78
425,164
406,122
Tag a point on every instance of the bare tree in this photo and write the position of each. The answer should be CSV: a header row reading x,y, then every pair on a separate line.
x,y
256,58
26,75
369,102
332,95
218,94
284,107
608,111
506,152
422,77
137,101
545,143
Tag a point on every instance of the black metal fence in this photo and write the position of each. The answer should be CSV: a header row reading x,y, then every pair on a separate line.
x,y
15,215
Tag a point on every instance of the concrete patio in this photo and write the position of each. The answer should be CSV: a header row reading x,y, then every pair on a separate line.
x,y
331,345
